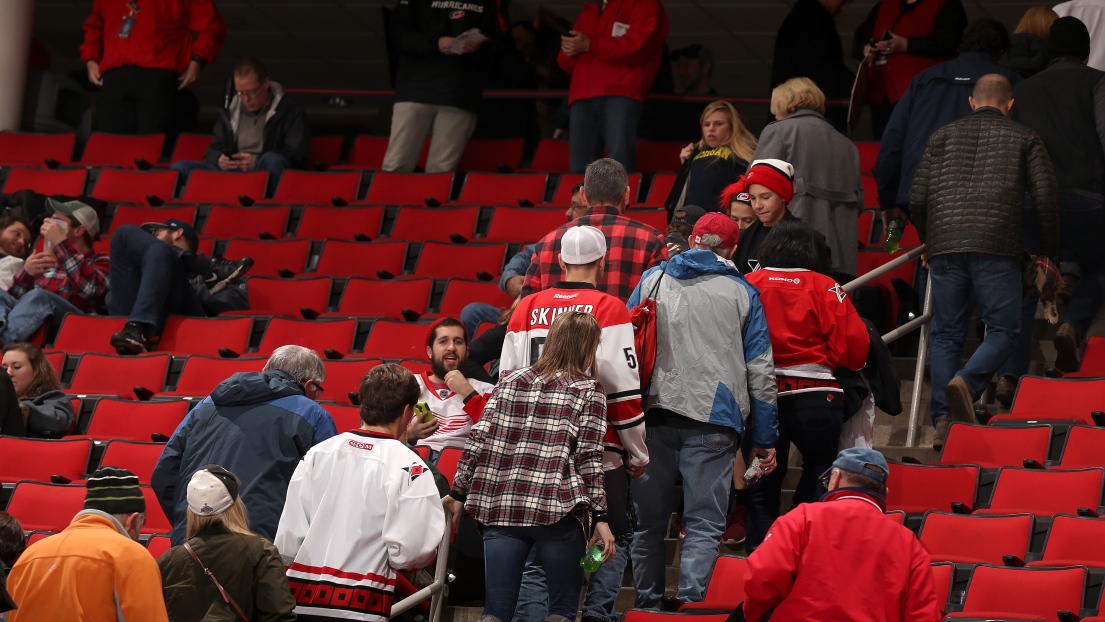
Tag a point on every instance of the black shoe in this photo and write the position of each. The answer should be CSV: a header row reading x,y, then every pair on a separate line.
x,y
226,271
131,340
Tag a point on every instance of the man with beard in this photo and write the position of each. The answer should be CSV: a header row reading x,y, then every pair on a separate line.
x,y
15,238
455,401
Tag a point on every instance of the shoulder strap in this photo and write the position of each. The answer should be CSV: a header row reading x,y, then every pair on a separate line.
x,y
222,591
656,286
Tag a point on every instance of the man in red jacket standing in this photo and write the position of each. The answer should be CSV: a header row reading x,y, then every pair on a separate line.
x,y
141,52
613,53
842,559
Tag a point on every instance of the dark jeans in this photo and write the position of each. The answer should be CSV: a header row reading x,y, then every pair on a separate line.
x,y
559,548
1081,223
148,282
271,161
816,433
134,100
598,122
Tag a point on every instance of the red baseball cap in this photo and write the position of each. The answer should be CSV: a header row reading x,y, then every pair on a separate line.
x,y
718,224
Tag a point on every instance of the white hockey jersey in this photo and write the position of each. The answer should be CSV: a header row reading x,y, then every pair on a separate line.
x,y
359,505
455,416
617,359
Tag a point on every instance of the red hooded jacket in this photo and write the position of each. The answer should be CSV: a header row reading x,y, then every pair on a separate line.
x,y
166,34
627,43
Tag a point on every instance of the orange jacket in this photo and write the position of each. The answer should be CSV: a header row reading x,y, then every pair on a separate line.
x,y
91,572
166,34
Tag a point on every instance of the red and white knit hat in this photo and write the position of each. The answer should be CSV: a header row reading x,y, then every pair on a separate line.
x,y
775,175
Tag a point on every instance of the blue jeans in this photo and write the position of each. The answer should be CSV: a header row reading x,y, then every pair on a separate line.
x,y
704,456
995,281
476,313
598,122
21,318
148,282
558,547
270,161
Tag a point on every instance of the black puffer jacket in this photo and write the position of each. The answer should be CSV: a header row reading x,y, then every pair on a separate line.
x,y
968,192
1027,54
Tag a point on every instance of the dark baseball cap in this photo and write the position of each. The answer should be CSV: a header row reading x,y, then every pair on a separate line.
x,y
176,225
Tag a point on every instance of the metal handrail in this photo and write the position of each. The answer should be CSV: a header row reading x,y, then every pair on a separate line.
x,y
438,590
922,322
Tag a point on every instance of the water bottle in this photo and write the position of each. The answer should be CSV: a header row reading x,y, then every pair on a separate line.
x,y
893,235
754,472
592,559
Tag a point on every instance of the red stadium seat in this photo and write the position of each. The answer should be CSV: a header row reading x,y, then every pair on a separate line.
x,y
942,582
137,215
643,615
562,196
100,374
448,460
87,333
460,292
1074,541
1084,448
995,447
1093,361
725,591
341,258
915,488
368,152
121,151
658,192
380,298
1022,593
910,237
26,149
421,224
868,153
69,182
201,374
317,188
45,507
870,192
417,367
345,417
286,297
658,157
522,225
35,536
496,189
270,256
119,186
195,335
190,147
155,516
344,377
318,335
138,458
446,261
978,539
39,460
1036,398
655,218
489,155
159,545
409,189
397,340
218,187
134,421
551,157
326,150
56,358
246,222
866,227
339,223
1045,493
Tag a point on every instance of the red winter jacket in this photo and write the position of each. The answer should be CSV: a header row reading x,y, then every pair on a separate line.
x,y
627,42
840,560
166,34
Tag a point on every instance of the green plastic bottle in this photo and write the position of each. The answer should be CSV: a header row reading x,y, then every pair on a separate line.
x,y
893,235
592,559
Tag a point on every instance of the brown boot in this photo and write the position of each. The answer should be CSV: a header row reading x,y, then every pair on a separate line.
x,y
1006,389
960,401
1066,349
942,425
1067,284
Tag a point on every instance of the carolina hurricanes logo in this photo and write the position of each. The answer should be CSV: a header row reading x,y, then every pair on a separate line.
x,y
414,470
839,291
456,15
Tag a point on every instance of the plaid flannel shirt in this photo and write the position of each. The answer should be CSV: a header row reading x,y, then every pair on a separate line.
x,y
536,453
631,248
80,279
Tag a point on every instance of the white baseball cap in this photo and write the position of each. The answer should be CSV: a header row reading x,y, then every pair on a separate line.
x,y
212,490
582,245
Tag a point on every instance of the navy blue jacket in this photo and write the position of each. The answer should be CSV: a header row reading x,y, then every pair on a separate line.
x,y
256,425
936,97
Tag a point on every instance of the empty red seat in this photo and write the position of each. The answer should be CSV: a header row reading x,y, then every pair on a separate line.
x,y
27,149
460,292
380,298
122,151
318,188
156,522
139,215
496,189
868,154
655,218
326,150
978,539
100,374
870,192
522,224
1077,398
658,192
201,335
201,374
318,335
552,156
190,147
448,460
56,358
342,258
1022,593
219,187
409,189
344,377
994,447
368,152
159,545
649,615
69,182
39,460
134,421
445,261
917,488
417,367
1085,447
942,582
490,155
345,417
1045,493
658,157
865,225
1093,361
339,223
725,591
270,256
286,297
562,196
138,458
1074,541
420,224
120,186
87,333
45,507
397,340
224,221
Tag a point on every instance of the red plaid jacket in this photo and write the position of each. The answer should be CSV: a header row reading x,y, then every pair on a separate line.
x,y
631,248
79,279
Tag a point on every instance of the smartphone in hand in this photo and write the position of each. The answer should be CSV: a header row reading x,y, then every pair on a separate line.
x,y
423,412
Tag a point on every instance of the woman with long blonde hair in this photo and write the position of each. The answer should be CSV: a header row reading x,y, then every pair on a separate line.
x,y
715,161
246,566
1027,53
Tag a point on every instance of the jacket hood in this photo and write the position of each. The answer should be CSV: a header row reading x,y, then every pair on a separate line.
x,y
245,388
696,262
